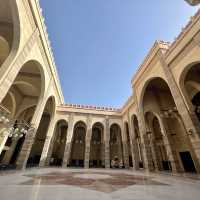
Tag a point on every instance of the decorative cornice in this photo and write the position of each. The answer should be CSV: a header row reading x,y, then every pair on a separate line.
x,y
90,107
184,31
158,45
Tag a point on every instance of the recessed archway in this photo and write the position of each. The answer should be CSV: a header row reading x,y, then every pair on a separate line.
x,y
10,29
155,136
96,146
20,102
190,84
59,141
116,147
158,99
78,145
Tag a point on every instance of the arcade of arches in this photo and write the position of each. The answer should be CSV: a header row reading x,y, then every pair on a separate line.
x,y
158,129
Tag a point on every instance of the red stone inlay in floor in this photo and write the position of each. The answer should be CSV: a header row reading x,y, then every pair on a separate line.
x,y
109,182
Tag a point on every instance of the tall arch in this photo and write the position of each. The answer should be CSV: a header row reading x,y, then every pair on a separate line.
x,y
96,146
116,146
59,141
158,99
78,145
155,136
9,31
30,75
190,86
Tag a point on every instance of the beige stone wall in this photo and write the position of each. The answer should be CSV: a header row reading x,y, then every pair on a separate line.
x,y
28,41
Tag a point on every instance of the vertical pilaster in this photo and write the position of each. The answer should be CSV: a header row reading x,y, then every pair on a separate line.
x,y
69,140
125,154
3,138
153,153
47,144
30,136
146,150
9,153
133,142
171,151
87,142
26,148
125,145
107,143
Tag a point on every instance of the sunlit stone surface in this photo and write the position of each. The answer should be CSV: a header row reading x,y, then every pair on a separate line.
x,y
52,183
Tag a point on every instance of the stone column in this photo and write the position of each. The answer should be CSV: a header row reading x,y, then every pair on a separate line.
x,y
68,145
153,153
9,153
87,143
50,150
107,143
171,151
48,146
3,138
133,143
30,136
125,154
190,121
125,146
146,150
103,153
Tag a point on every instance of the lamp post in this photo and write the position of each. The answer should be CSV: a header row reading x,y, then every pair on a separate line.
x,y
193,2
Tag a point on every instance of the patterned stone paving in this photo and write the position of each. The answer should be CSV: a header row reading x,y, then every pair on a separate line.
x,y
103,182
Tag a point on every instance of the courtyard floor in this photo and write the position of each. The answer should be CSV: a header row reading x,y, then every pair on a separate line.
x,y
93,184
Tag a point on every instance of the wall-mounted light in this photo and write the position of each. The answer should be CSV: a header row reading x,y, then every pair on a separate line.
x,y
169,112
148,132
190,132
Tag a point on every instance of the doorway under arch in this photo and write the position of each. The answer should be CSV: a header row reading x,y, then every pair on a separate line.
x,y
60,137
20,102
116,147
158,99
96,146
78,145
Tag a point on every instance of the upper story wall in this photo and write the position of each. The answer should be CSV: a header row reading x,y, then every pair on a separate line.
x,y
30,43
178,57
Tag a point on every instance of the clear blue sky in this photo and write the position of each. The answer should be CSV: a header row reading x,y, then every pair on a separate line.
x,y
98,44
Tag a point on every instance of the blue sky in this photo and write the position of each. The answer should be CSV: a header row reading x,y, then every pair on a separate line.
x,y
99,44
